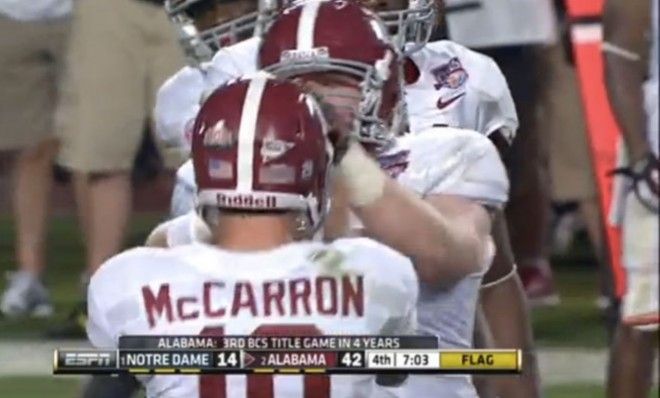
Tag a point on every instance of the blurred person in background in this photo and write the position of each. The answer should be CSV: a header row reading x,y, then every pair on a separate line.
x,y
516,33
631,73
32,45
120,52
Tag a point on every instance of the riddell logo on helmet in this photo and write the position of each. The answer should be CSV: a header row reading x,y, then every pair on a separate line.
x,y
304,55
247,201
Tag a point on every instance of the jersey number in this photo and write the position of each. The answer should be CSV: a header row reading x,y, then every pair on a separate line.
x,y
261,386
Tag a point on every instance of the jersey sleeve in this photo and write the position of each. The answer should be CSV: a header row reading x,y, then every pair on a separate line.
x,y
99,331
104,296
177,103
233,62
185,190
463,163
497,110
113,307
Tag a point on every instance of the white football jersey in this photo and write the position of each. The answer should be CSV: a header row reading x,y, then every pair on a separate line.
x,y
185,189
458,87
471,93
352,286
446,160
180,97
458,162
436,161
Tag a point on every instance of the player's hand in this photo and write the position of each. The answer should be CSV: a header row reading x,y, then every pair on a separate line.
x,y
648,170
645,176
338,135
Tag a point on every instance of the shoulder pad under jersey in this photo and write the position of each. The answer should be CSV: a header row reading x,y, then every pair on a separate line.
x,y
470,84
453,161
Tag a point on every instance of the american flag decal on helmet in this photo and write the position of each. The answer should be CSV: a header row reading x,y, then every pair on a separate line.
x,y
220,169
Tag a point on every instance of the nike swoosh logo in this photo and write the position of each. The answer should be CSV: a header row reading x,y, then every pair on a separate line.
x,y
443,104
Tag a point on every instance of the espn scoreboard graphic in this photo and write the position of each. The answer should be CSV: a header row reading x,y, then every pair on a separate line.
x,y
284,355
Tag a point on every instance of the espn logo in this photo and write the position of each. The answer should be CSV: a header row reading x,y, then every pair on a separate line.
x,y
71,361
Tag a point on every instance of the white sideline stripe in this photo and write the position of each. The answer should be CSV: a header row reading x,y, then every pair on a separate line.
x,y
558,365
247,131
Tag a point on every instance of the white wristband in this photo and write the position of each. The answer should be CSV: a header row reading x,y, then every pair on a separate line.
x,y
364,179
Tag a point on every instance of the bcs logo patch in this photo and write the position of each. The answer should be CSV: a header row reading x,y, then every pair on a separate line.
x,y
450,75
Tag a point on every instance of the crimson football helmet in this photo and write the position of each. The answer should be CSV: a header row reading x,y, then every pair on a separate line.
x,y
344,37
261,144
200,46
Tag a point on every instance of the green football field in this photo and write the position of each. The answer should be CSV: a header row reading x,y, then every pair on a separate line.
x,y
576,322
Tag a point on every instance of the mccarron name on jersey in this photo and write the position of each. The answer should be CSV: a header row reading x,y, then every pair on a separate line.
x,y
323,295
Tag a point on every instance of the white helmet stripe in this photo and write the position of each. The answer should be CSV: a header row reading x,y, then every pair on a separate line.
x,y
247,131
305,35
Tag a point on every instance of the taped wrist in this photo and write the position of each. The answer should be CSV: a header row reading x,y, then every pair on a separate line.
x,y
365,182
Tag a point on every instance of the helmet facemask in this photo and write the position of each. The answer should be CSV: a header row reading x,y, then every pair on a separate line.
x,y
375,123
200,45
411,27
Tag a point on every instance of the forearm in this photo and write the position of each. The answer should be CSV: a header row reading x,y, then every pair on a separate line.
x,y
624,89
625,50
414,227
441,248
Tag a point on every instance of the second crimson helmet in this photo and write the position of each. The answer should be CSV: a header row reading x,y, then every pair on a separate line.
x,y
344,37
261,144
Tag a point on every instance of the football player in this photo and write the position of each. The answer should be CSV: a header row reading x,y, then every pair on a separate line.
x,y
448,167
205,26
631,70
453,172
262,162
449,84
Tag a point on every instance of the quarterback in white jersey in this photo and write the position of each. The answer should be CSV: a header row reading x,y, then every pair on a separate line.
x,y
437,161
298,289
257,277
